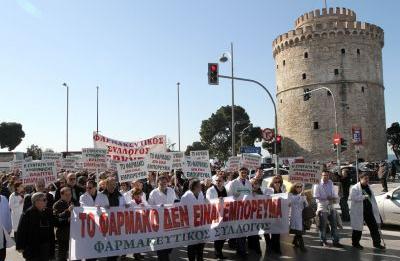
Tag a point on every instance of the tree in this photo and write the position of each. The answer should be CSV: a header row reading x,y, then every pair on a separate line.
x,y
216,134
34,151
393,138
197,145
11,135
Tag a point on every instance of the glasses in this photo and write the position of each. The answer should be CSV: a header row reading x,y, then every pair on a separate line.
x,y
299,186
277,182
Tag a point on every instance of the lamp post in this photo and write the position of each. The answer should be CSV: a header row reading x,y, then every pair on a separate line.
x,y
335,115
242,132
179,118
224,58
97,110
64,84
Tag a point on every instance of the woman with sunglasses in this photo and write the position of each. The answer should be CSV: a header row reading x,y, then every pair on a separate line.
x,y
297,203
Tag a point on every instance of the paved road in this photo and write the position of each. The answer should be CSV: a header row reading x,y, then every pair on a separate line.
x,y
315,252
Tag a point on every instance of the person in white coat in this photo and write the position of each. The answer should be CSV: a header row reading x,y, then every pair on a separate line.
x,y
5,226
162,195
364,208
92,198
194,196
16,202
137,198
217,190
135,184
238,188
297,203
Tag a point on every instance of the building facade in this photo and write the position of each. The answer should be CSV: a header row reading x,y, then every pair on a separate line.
x,y
330,48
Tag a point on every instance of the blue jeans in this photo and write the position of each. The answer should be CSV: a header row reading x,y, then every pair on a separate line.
x,y
324,217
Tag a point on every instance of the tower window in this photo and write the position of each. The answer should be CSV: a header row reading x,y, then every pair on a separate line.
x,y
277,66
305,55
328,93
316,126
284,62
336,71
358,51
304,76
281,101
343,51
362,89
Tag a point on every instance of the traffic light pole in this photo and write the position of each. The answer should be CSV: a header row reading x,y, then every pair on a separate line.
x,y
338,148
273,103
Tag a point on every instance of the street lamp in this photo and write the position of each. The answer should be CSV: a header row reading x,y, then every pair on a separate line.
x,y
242,132
224,58
335,114
64,84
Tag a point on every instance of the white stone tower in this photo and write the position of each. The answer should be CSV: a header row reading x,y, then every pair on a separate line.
x,y
330,48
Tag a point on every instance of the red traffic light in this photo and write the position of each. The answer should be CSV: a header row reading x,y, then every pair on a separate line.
x,y
213,73
278,138
336,139
214,68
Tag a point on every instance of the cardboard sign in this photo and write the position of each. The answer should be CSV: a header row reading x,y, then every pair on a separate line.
x,y
196,168
233,164
157,161
37,170
305,173
200,154
132,170
178,159
69,164
99,232
51,156
250,161
124,151
94,159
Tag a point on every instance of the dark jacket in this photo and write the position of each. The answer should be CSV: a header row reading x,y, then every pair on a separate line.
x,y
76,193
28,201
62,222
35,228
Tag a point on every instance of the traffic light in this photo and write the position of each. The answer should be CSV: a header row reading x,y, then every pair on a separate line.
x,y
278,144
213,74
306,95
343,144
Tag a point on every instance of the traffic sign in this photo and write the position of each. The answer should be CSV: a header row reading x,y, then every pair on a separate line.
x,y
357,135
250,149
268,134
336,139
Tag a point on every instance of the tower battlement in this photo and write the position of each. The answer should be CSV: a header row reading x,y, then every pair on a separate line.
x,y
339,22
340,14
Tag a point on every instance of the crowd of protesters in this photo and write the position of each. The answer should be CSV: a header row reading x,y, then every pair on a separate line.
x,y
40,216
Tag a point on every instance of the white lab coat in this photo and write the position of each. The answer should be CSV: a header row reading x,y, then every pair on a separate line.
x,y
321,195
157,197
297,204
357,207
128,196
237,188
86,200
16,203
190,198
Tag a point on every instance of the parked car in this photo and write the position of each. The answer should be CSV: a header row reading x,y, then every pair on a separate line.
x,y
389,206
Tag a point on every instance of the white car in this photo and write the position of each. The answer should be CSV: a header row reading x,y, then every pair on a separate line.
x,y
389,206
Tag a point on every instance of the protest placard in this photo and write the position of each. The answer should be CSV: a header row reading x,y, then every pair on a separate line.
x,y
132,170
305,173
16,165
178,159
99,232
200,154
250,161
36,170
69,164
233,164
196,168
94,159
51,156
124,151
28,159
159,161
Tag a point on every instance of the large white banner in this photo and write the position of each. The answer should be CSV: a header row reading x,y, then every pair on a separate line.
x,y
36,170
124,151
305,173
132,170
98,232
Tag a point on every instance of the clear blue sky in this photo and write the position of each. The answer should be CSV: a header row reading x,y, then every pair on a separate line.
x,y
136,51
